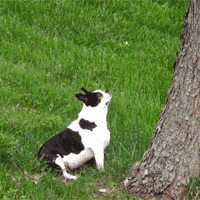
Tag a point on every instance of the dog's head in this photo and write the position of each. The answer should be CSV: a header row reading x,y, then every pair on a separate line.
x,y
96,101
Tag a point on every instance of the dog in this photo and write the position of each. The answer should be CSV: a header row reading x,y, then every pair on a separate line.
x,y
84,139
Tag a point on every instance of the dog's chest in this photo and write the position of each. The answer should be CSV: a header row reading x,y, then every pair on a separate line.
x,y
92,135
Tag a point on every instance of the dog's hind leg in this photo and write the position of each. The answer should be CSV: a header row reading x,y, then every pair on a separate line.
x,y
61,164
74,161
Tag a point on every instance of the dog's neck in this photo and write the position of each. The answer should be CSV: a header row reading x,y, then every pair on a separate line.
x,y
98,116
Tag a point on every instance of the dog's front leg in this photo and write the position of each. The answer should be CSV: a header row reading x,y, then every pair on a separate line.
x,y
99,158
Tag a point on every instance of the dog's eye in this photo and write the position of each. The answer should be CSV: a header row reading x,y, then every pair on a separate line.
x,y
99,95
106,103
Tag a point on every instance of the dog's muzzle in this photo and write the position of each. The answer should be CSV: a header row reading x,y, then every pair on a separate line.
x,y
107,91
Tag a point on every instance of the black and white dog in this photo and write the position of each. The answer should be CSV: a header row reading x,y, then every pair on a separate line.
x,y
85,138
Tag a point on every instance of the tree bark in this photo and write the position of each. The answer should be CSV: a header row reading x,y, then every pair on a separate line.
x,y
173,156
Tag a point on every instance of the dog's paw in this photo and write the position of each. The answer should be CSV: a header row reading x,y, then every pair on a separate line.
x,y
69,176
73,177
100,167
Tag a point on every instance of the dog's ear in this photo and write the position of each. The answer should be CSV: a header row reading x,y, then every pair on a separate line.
x,y
82,97
84,90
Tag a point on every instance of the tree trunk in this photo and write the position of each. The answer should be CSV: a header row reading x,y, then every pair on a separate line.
x,y
173,156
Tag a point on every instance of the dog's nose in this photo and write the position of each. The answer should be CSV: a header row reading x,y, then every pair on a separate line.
x,y
108,92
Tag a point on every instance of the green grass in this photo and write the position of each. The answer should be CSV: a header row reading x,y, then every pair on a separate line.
x,y
48,51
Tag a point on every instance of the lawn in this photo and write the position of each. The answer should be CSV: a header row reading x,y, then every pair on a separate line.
x,y
48,51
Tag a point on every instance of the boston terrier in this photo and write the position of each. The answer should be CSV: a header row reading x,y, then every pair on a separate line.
x,y
85,138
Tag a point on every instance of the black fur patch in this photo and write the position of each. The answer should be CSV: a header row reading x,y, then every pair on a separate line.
x,y
85,124
64,143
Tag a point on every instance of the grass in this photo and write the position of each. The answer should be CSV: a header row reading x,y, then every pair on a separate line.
x,y
49,50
